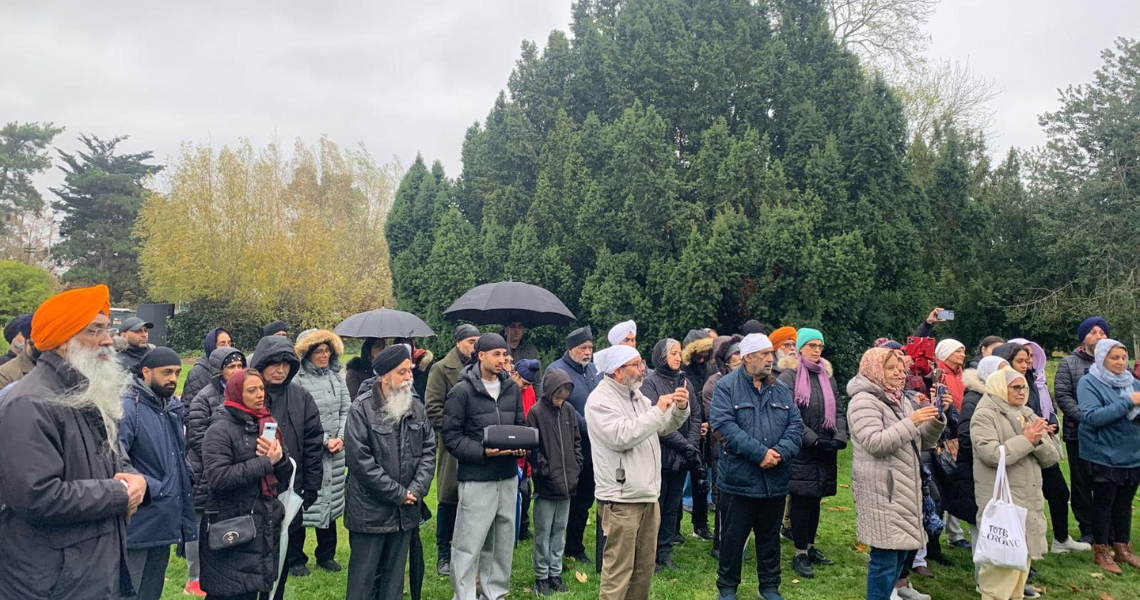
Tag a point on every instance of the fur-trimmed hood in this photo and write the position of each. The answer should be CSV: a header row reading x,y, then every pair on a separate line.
x,y
701,345
316,337
792,363
425,360
973,381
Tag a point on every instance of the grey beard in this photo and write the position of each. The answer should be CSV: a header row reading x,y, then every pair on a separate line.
x,y
17,347
581,363
781,354
397,403
106,382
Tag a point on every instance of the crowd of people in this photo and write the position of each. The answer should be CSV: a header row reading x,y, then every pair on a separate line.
x,y
105,470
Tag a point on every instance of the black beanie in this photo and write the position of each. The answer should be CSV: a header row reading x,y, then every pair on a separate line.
x,y
578,337
753,326
390,358
160,357
274,328
491,341
465,331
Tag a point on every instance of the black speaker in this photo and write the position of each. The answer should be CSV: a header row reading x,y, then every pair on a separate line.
x,y
157,314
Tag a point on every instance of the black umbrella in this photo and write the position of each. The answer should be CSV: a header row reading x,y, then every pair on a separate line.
x,y
507,302
384,323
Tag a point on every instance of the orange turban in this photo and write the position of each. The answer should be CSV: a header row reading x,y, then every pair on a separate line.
x,y
65,314
782,335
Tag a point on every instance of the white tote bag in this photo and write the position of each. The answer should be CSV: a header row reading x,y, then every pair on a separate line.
x,y
292,501
1001,533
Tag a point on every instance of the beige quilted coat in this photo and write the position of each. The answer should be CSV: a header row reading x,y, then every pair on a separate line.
x,y
885,471
996,422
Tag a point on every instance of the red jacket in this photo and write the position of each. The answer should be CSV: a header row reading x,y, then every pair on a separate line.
x,y
528,399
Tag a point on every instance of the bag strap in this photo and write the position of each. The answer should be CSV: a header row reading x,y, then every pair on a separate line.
x,y
1001,481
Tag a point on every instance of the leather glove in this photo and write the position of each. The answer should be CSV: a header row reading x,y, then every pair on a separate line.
x,y
308,498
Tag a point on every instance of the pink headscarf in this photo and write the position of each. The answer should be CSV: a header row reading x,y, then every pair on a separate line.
x,y
871,367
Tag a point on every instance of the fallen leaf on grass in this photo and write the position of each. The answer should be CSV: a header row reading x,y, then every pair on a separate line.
x,y
845,486
838,509
1074,588
1096,575
795,581
824,500
860,547
674,580
580,576
1105,596
526,590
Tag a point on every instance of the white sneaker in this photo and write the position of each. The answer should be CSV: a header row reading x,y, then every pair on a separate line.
x,y
909,593
1069,545
895,594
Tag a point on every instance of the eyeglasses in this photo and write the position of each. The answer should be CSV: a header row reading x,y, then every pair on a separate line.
x,y
1017,389
814,345
322,351
97,332
639,364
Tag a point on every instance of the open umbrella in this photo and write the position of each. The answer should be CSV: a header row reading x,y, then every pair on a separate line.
x,y
509,301
384,323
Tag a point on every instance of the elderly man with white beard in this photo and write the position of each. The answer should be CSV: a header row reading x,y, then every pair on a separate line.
x,y
66,488
390,451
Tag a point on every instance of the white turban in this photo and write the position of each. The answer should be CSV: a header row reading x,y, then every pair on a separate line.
x,y
619,331
610,359
947,347
754,342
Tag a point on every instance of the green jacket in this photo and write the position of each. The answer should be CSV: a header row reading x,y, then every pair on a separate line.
x,y
442,377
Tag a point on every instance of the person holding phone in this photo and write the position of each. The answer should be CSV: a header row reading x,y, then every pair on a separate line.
x,y
246,466
680,450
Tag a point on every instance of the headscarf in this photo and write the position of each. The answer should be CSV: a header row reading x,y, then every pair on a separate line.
x,y
871,367
998,382
64,315
990,365
754,342
1039,380
614,357
234,396
947,347
660,357
1123,381
803,389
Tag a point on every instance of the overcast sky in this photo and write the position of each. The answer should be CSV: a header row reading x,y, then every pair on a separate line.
x,y
404,76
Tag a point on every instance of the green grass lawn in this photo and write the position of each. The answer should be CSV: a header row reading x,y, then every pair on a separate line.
x,y
1070,576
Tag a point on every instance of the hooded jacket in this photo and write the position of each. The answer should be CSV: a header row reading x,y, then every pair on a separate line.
x,y
815,466
63,528
886,476
721,346
443,376
626,427
297,416
468,410
694,345
751,422
386,460
557,461
997,423
681,449
150,433
202,372
332,398
17,368
585,379
1072,368
1108,437
201,409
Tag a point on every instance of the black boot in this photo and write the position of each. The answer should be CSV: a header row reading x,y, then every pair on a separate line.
x,y
542,587
556,585
801,564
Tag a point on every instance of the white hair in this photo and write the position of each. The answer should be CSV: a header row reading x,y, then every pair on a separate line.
x,y
106,382
397,401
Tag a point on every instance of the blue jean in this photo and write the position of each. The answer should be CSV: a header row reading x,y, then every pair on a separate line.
x,y
883,572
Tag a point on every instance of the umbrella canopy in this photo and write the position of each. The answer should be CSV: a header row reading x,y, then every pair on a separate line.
x,y
509,301
383,323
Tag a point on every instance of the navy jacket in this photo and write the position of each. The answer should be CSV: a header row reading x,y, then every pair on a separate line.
x,y
1108,437
585,379
750,422
151,435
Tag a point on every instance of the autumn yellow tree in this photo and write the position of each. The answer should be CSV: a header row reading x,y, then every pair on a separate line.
x,y
266,233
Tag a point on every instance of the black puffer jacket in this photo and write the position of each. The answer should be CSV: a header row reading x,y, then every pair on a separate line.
x,y
958,493
385,461
1069,372
557,461
298,418
233,472
680,450
203,371
201,408
814,467
469,408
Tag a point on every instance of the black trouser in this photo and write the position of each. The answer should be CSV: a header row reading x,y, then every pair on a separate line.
x,y
672,490
416,565
376,565
524,509
716,501
741,516
444,528
805,520
1080,483
326,545
1113,512
700,515
1056,492
908,563
580,512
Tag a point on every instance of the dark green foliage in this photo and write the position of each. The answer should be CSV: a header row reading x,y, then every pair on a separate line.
x,y
693,164
100,200
188,328
23,154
